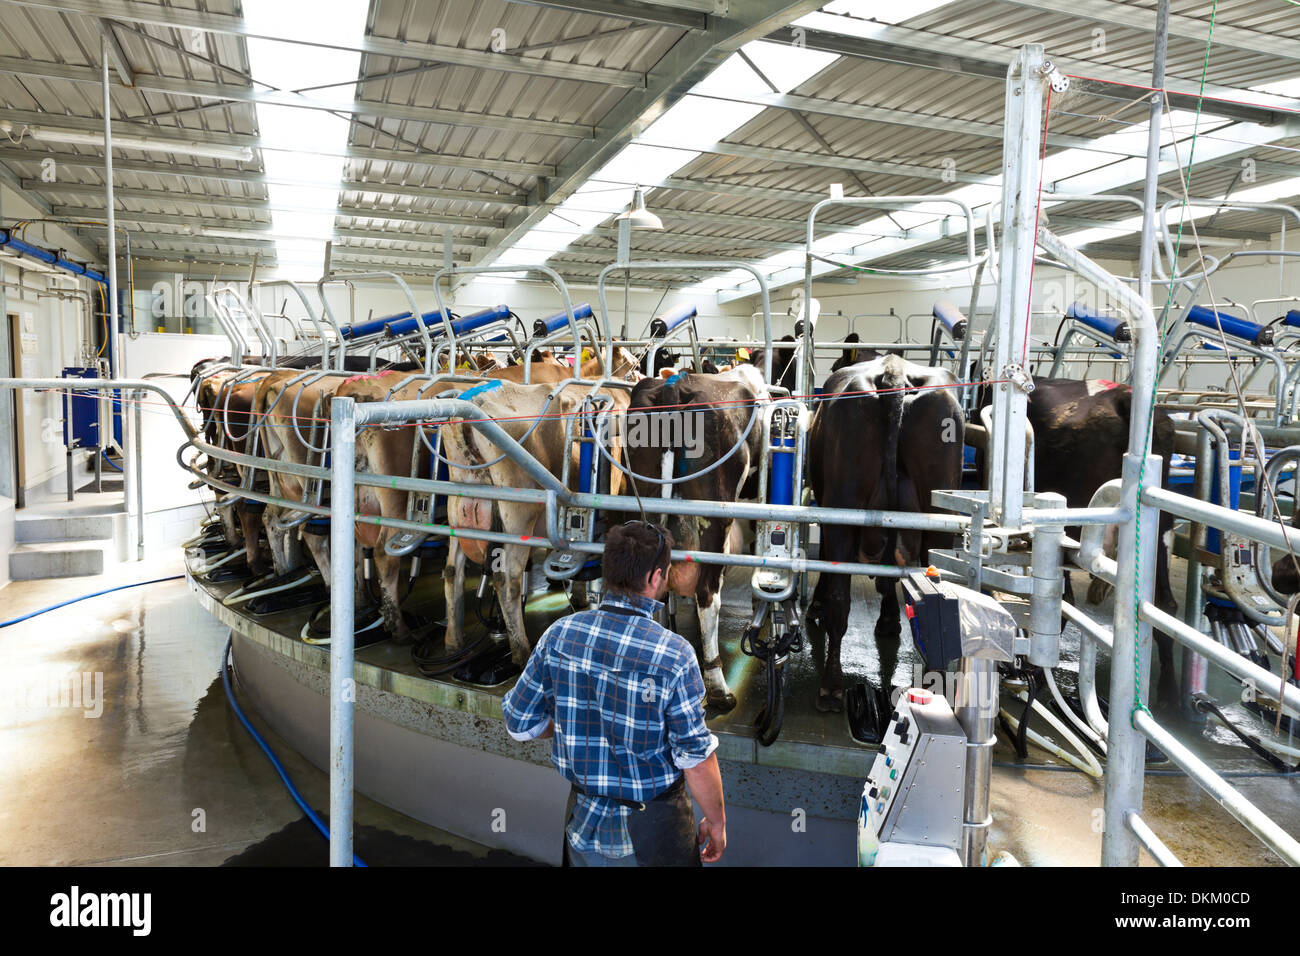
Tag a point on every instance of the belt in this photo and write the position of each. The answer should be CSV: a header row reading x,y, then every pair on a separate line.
x,y
670,791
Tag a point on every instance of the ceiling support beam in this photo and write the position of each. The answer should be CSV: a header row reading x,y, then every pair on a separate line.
x,y
181,18
690,60
634,11
895,117
910,47
1143,19
177,86
115,51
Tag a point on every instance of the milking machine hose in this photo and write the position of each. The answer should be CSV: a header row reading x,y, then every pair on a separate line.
x,y
227,665
111,463
55,607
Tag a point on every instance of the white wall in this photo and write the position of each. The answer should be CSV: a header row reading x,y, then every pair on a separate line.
x,y
58,338
54,334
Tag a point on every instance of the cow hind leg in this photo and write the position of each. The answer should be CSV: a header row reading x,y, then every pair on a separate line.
x,y
709,608
835,593
1167,691
889,630
453,585
389,571
510,593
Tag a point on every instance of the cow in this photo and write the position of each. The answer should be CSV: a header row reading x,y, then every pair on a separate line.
x,y
886,450
720,407
225,399
1081,433
384,451
852,356
536,416
1286,578
784,367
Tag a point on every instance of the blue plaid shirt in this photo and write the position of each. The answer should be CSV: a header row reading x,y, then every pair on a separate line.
x,y
627,700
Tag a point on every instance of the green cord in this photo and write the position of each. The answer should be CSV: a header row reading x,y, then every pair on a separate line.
x,y
1138,704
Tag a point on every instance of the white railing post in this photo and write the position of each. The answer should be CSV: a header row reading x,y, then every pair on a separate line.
x,y
1021,164
342,594
1130,665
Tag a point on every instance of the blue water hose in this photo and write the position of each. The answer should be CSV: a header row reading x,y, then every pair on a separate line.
x,y
55,607
226,660
111,463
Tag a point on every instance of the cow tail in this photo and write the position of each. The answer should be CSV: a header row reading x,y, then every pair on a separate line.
x,y
893,384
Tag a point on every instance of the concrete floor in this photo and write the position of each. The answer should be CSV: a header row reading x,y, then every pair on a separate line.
x,y
166,775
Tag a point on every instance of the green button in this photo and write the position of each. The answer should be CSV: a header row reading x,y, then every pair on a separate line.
x,y
893,773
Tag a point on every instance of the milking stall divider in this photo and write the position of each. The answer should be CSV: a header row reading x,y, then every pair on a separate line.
x,y
989,523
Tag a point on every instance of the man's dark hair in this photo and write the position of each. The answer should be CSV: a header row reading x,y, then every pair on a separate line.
x,y
632,552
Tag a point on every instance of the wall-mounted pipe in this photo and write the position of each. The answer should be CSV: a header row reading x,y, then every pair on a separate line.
x,y
23,248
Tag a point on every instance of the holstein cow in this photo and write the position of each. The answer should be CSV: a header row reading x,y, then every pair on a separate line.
x,y
388,451
888,450
1080,437
714,410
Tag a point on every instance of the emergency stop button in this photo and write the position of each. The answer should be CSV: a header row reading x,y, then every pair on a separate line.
x,y
919,695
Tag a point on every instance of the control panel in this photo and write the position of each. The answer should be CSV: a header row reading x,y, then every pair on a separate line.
x,y
915,791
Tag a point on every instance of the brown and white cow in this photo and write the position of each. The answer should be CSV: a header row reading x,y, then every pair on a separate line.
x,y
536,416
717,409
389,451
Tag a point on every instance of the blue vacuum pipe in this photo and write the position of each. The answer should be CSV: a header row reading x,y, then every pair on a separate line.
x,y
1116,329
496,313
7,238
558,321
665,322
1232,325
951,317
378,325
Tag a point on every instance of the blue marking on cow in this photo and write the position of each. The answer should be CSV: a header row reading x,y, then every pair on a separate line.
x,y
479,389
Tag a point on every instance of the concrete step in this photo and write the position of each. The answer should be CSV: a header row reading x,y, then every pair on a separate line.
x,y
51,528
59,559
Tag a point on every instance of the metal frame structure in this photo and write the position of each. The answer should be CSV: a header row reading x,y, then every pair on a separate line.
x,y
988,522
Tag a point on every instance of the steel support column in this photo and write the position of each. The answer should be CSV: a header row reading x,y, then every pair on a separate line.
x,y
1021,165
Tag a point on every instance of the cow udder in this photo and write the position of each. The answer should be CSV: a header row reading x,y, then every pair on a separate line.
x,y
475,513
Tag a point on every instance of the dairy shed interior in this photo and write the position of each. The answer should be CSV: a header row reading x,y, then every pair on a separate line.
x,y
963,331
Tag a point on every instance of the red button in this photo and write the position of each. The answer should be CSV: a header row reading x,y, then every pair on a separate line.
x,y
918,695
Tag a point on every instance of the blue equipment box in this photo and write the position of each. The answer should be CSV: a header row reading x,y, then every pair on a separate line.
x,y
81,412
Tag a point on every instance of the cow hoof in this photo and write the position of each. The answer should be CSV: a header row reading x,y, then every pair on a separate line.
x,y
830,701
721,702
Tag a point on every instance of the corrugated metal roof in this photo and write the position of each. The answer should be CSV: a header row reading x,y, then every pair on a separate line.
x,y
414,177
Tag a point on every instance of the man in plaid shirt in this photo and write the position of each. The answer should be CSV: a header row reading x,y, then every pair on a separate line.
x,y
624,700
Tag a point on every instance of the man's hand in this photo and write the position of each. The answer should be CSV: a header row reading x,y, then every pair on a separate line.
x,y
715,835
705,783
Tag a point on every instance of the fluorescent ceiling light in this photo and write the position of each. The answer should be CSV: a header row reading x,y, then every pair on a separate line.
x,y
239,154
